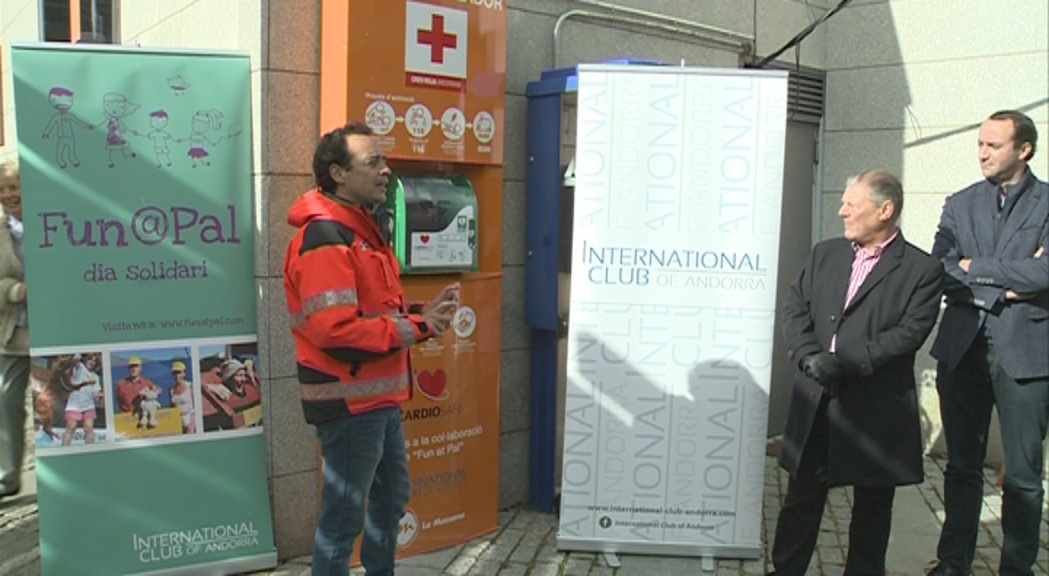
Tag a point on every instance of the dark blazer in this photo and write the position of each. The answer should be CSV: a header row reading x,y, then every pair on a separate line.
x,y
1019,329
874,432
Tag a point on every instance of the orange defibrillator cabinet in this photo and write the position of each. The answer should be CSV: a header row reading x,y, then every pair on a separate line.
x,y
429,77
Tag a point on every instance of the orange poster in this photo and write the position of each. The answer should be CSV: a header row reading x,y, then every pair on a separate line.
x,y
451,425
428,76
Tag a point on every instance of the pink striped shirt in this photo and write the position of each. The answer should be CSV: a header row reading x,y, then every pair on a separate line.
x,y
862,264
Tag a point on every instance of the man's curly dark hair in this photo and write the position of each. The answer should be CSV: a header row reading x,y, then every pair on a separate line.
x,y
332,150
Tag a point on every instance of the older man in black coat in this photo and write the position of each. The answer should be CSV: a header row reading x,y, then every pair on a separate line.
x,y
853,321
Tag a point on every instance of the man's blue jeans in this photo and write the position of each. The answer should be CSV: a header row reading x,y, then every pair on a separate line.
x,y
365,468
967,395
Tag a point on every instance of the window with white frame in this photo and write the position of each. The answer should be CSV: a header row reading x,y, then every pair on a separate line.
x,y
87,21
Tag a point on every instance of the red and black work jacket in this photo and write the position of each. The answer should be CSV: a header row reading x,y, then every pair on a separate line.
x,y
351,325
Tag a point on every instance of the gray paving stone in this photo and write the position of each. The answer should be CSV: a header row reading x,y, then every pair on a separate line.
x,y
31,569
828,538
984,538
989,561
531,520
831,555
436,560
482,568
19,544
545,569
601,561
915,531
549,554
513,570
507,516
525,545
727,568
467,558
502,547
756,567
527,548
661,566
578,564
403,570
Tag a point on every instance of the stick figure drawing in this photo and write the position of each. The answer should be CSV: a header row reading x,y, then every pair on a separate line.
x,y
203,121
158,120
115,107
62,123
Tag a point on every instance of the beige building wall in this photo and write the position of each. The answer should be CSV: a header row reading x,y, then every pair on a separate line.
x,y
908,84
19,22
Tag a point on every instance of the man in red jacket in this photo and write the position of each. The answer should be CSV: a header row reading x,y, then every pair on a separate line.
x,y
352,331
130,388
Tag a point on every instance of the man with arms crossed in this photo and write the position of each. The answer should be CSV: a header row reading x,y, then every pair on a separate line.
x,y
352,330
853,322
993,345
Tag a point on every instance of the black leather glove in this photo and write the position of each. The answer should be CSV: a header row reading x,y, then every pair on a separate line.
x,y
823,367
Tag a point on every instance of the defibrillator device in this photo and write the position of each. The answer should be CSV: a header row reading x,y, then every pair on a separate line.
x,y
434,223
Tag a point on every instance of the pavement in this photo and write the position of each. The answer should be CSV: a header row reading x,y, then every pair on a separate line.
x,y
525,542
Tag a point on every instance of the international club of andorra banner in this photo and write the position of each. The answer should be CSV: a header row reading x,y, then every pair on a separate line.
x,y
674,259
138,240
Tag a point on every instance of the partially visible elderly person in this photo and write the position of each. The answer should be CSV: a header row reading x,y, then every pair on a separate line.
x,y
14,333
234,376
241,404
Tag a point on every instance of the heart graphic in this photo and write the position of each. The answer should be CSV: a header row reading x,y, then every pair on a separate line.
x,y
425,238
433,385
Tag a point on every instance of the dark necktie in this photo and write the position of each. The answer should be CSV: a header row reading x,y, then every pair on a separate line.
x,y
1003,213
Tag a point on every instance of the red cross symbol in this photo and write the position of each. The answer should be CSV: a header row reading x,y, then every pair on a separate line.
x,y
437,39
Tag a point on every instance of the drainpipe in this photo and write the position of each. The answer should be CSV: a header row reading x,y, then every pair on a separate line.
x,y
741,43
673,20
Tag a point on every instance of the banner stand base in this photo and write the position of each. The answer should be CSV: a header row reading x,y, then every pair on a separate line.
x,y
657,548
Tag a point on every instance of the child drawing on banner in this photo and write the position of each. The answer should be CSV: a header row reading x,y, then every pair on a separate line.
x,y
205,121
158,120
62,123
115,107
178,85
80,407
182,397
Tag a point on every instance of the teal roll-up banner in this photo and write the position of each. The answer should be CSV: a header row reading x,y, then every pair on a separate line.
x,y
136,171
